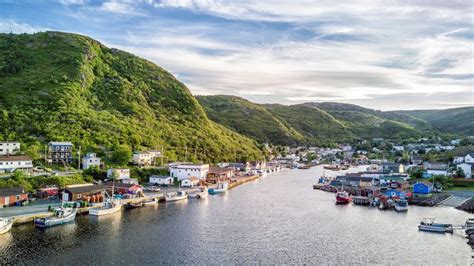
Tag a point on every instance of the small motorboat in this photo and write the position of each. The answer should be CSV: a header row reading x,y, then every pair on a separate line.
x,y
342,197
221,188
428,225
401,205
133,205
469,223
175,196
110,206
62,215
199,194
5,225
152,201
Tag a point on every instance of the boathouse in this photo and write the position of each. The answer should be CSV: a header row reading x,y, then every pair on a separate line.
x,y
161,180
423,187
82,191
12,196
190,182
122,188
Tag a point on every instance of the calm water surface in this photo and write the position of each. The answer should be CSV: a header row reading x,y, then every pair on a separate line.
x,y
277,219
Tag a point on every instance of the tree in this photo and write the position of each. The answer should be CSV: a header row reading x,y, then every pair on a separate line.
x,y
460,173
121,155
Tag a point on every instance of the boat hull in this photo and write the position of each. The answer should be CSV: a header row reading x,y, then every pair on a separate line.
x,y
176,198
214,191
4,229
105,211
48,222
435,229
401,208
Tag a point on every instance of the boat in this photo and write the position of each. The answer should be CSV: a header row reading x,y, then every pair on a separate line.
x,y
110,206
401,205
428,225
175,196
221,188
152,201
133,205
5,225
342,197
469,223
62,215
199,194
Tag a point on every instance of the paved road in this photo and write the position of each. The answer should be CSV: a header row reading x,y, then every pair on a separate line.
x,y
32,208
461,193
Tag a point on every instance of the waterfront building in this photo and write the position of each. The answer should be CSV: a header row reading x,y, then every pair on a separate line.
x,y
190,182
122,188
423,187
12,196
394,193
393,168
47,192
184,170
242,167
119,173
161,180
9,147
82,191
435,168
220,173
90,160
12,163
468,169
60,152
356,180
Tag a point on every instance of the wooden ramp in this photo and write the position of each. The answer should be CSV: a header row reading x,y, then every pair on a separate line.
x,y
454,201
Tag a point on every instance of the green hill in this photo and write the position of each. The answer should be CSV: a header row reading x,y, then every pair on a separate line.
x,y
327,123
66,87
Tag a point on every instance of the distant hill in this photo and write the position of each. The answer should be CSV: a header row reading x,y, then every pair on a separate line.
x,y
328,122
66,87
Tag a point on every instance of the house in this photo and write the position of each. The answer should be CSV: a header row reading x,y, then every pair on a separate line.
x,y
9,147
416,160
132,181
60,152
161,180
242,167
398,148
257,165
401,184
90,160
47,192
12,196
435,168
467,168
386,180
190,181
458,159
393,168
122,188
220,173
83,192
145,158
469,158
357,181
184,170
423,187
118,173
12,163
394,193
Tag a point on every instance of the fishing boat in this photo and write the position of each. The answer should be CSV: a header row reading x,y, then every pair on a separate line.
x,y
62,215
401,205
175,196
342,197
110,206
5,225
221,188
133,205
152,201
199,194
428,224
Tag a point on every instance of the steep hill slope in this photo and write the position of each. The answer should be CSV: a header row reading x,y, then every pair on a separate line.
x,y
60,86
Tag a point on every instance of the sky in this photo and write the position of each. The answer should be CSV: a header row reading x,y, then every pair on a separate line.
x,y
386,55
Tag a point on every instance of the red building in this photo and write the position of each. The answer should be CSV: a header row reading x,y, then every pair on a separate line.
x,y
12,196
122,188
47,192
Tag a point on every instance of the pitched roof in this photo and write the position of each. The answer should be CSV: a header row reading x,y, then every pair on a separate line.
x,y
218,170
82,189
192,178
15,158
11,191
61,143
120,185
160,176
354,178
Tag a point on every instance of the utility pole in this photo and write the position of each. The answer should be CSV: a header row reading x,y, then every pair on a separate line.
x,y
185,153
162,154
79,159
45,156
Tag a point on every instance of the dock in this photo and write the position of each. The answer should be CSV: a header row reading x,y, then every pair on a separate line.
x,y
360,200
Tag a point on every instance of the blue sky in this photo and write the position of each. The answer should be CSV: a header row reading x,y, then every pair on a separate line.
x,y
392,54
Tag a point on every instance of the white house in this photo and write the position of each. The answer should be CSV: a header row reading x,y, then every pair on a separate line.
x,y
9,147
144,158
11,163
120,173
190,182
469,158
458,160
161,180
90,160
467,169
398,148
184,170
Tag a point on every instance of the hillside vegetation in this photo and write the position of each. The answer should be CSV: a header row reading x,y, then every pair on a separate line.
x,y
67,87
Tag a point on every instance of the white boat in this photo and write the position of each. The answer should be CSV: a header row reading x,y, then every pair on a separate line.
x,y
5,225
221,188
61,215
401,205
428,224
110,206
175,196
152,201
199,194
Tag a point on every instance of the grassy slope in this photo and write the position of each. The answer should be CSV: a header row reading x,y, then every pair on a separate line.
x,y
59,86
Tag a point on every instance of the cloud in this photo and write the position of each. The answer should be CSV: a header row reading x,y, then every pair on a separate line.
x,y
72,2
9,25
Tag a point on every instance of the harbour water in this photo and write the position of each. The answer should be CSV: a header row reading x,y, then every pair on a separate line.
x,y
276,219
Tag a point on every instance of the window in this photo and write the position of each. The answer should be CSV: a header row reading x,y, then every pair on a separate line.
x,y
18,197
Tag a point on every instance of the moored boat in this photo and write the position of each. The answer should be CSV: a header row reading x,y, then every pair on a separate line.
x,y
5,225
401,205
152,201
342,197
175,196
428,225
62,215
110,206
199,194
221,188
133,205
